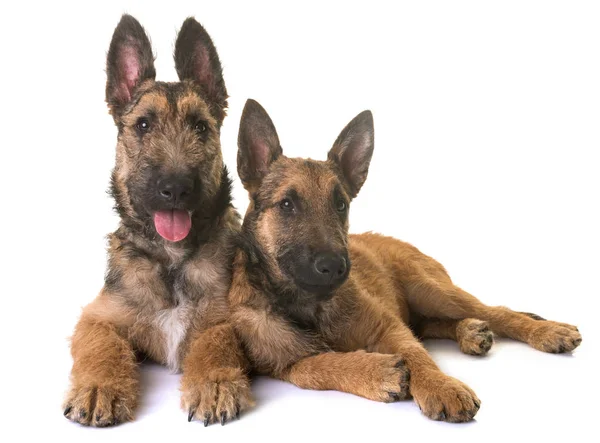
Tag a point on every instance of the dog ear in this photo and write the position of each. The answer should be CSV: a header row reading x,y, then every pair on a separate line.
x,y
196,59
353,149
129,62
258,145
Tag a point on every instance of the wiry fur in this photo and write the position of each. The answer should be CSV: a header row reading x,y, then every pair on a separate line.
x,y
355,337
162,299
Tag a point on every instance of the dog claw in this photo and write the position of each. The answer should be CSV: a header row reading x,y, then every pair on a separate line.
x,y
67,410
237,412
223,418
206,420
190,415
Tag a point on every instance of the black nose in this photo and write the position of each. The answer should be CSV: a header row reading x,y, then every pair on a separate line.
x,y
330,266
175,189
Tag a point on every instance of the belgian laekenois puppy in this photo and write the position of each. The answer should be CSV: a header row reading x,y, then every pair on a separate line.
x,y
169,262
327,310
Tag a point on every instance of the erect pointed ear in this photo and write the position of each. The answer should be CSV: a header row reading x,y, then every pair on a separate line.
x,y
196,59
258,145
353,149
129,62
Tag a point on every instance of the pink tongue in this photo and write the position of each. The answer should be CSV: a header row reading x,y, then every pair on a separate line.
x,y
173,225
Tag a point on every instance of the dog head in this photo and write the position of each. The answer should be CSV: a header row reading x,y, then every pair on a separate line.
x,y
169,171
298,213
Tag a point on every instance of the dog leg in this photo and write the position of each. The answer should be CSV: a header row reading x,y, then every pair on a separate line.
x,y
439,396
473,336
214,384
444,300
375,376
104,377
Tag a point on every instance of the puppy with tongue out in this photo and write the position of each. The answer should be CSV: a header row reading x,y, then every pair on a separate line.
x,y
169,266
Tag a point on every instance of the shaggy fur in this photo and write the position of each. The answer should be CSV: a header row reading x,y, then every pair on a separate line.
x,y
351,324
161,299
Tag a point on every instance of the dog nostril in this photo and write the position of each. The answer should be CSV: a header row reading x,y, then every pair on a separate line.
x,y
166,194
330,266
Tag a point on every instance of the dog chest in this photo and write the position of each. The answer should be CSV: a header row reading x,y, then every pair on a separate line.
x,y
174,324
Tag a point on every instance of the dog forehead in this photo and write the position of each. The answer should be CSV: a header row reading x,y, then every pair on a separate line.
x,y
189,102
310,179
150,100
169,100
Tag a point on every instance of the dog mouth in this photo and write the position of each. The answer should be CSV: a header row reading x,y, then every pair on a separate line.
x,y
173,224
321,291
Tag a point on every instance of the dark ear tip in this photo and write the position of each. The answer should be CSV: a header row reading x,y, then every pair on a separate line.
x,y
190,24
365,117
190,21
128,20
126,17
253,106
251,103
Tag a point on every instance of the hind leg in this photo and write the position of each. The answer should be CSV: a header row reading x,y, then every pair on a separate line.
x,y
429,291
442,299
473,336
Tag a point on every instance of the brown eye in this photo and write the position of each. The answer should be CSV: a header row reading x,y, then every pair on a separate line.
x,y
341,206
143,125
200,127
287,205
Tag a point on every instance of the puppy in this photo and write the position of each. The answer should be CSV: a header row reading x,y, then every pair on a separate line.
x,y
169,261
326,310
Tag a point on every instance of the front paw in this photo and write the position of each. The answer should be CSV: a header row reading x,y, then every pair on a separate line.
x,y
101,406
549,336
444,398
384,377
220,397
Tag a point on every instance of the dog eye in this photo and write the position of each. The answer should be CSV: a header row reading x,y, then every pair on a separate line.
x,y
287,205
341,206
200,127
143,124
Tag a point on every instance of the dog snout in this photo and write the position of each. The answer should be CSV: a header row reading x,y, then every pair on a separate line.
x,y
330,267
175,189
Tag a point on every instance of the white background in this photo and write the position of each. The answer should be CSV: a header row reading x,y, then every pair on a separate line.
x,y
487,142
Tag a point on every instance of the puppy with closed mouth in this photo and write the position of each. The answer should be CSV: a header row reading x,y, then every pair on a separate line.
x,y
323,309
169,261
